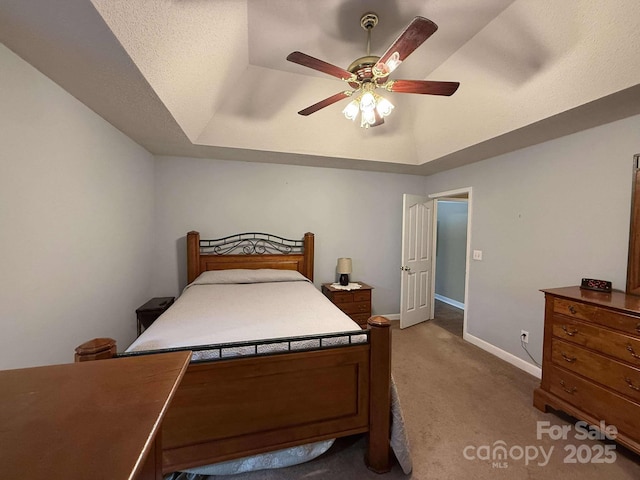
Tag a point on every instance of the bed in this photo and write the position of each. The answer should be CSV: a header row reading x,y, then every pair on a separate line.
x,y
240,398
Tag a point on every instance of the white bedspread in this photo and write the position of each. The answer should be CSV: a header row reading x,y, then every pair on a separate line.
x,y
211,312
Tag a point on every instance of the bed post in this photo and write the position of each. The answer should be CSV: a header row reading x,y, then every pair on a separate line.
x,y
193,255
378,455
96,349
308,255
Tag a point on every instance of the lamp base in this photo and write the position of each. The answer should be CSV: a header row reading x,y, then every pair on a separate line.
x,y
344,279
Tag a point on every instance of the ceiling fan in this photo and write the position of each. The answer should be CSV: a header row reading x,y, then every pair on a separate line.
x,y
369,73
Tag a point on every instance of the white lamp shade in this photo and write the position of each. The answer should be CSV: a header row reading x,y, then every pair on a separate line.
x,y
351,110
384,107
344,265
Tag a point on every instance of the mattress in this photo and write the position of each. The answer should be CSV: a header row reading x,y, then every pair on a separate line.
x,y
244,305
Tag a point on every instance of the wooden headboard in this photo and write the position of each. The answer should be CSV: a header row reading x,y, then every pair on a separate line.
x,y
249,250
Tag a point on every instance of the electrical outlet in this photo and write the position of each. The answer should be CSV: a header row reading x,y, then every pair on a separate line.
x,y
524,336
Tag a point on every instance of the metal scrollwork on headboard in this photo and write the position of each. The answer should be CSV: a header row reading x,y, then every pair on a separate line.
x,y
251,243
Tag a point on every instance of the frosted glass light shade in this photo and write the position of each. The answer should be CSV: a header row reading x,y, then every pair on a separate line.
x,y
367,102
344,265
384,106
351,110
367,119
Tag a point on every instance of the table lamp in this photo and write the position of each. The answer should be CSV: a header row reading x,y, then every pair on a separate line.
x,y
344,269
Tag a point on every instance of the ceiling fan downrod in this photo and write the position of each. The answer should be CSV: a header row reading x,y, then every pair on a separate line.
x,y
361,67
368,21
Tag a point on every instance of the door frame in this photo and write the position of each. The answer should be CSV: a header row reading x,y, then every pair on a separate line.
x,y
440,196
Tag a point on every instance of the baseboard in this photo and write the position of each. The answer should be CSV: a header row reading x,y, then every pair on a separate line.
x,y
392,316
503,355
449,301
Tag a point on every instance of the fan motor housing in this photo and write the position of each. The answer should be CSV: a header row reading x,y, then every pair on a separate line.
x,y
361,67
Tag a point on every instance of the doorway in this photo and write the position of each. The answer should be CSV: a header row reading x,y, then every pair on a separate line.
x,y
452,255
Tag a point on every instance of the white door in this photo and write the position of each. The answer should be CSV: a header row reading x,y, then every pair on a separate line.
x,y
416,287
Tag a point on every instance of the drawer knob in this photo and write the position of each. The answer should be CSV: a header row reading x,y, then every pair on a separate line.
x,y
570,333
632,351
631,385
571,390
567,358
572,309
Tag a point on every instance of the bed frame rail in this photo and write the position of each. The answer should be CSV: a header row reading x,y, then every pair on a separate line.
x,y
272,346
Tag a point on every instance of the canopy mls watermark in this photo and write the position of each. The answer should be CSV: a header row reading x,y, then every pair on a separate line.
x,y
499,453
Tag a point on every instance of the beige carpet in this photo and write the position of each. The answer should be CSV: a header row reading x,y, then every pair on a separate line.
x,y
455,396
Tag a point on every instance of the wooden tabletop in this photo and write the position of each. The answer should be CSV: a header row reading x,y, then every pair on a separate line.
x,y
85,420
616,299
331,288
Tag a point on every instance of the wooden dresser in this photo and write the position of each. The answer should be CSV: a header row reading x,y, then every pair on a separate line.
x,y
98,420
591,359
355,303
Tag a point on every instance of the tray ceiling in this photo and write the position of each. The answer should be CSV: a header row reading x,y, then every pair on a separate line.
x,y
210,79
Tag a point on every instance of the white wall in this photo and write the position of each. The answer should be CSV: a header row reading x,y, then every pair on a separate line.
x,y
352,213
76,211
545,217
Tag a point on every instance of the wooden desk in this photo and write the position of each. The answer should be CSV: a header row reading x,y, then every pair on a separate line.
x,y
94,420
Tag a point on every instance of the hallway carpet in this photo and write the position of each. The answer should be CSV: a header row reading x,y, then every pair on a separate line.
x,y
448,317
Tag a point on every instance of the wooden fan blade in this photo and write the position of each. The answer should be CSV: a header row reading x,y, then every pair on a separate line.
x,y
324,103
413,36
319,65
424,87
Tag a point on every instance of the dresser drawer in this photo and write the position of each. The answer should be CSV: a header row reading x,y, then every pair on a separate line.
x,y
595,400
608,318
618,345
342,297
623,378
355,307
349,297
574,309
362,296
618,321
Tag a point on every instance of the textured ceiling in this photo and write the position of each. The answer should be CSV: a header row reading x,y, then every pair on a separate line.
x,y
209,78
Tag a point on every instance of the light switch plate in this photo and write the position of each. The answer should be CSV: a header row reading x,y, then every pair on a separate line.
x,y
477,254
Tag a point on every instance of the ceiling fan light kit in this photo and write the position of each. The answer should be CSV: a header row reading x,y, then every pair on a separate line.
x,y
368,73
373,107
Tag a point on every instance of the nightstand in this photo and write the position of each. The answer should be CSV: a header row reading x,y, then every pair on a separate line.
x,y
151,310
355,303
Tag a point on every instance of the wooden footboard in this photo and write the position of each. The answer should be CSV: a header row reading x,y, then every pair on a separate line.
x,y
238,407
